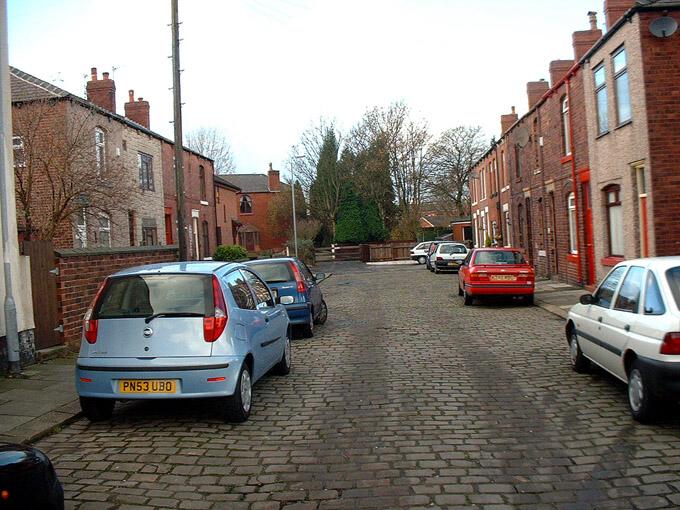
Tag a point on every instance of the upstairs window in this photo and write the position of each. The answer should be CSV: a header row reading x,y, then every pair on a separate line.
x,y
201,177
145,163
19,153
246,205
99,150
601,99
104,231
518,165
482,183
623,109
566,131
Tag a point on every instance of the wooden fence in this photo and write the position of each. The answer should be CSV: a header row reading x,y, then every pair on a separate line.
x,y
376,252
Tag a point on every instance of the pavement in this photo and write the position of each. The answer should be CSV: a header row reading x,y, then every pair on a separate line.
x,y
405,398
556,297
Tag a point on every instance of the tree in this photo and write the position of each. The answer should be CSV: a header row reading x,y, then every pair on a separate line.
x,y
280,212
212,143
325,191
370,170
449,161
358,220
305,155
62,167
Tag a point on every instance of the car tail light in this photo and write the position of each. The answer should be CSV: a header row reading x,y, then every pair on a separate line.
x,y
440,258
479,275
671,344
214,325
301,287
90,325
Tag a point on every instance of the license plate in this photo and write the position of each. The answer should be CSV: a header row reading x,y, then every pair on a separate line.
x,y
453,263
147,386
503,278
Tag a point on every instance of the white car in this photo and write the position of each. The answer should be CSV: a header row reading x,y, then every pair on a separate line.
x,y
419,252
630,327
448,257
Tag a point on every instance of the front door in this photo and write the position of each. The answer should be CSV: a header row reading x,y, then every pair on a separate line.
x,y
588,230
44,293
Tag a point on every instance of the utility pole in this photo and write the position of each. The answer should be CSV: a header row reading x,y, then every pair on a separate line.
x,y
7,199
179,146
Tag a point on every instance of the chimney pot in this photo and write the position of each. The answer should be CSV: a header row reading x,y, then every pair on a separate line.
x,y
513,109
140,99
102,92
93,72
105,76
131,95
592,16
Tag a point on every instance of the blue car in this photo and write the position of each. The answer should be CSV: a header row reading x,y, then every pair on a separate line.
x,y
297,289
181,330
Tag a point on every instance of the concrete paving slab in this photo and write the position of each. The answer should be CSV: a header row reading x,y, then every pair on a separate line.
x,y
9,422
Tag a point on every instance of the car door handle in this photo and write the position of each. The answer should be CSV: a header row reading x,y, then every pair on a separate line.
x,y
599,319
266,319
627,327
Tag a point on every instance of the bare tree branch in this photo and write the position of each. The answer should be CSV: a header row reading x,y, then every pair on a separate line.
x,y
212,143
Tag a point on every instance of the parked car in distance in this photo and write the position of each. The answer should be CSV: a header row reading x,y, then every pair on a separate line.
x,y
630,326
430,251
419,252
496,272
28,479
180,330
448,256
297,288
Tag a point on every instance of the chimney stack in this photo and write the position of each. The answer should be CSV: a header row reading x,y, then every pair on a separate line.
x,y
585,39
508,120
535,91
102,92
558,69
273,179
137,111
615,9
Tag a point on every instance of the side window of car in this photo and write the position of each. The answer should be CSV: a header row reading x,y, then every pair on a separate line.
x,y
628,299
240,291
605,293
466,262
653,300
308,275
262,294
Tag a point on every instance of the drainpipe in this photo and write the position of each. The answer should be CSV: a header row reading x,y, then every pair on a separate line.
x,y
546,243
499,209
574,186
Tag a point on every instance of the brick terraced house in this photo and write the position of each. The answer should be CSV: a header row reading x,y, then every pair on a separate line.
x,y
571,181
226,210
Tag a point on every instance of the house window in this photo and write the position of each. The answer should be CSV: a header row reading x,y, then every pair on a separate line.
x,y
571,205
601,99
81,229
504,177
145,163
201,176
534,142
482,184
508,228
206,239
19,154
614,219
99,149
104,231
131,227
518,167
520,225
246,205
566,132
149,232
623,109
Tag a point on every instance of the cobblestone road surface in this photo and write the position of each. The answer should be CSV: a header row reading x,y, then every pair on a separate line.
x,y
404,399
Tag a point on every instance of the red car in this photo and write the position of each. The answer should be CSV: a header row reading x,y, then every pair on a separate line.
x,y
496,272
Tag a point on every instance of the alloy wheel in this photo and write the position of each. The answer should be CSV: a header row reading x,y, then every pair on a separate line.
x,y
636,390
246,390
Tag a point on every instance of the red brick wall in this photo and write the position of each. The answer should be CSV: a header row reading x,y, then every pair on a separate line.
x,y
269,240
226,207
661,61
81,272
192,197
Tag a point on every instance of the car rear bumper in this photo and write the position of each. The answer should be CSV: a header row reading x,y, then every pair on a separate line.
x,y
500,289
99,377
662,376
298,313
444,265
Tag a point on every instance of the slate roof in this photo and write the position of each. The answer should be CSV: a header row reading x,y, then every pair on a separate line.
x,y
253,183
225,182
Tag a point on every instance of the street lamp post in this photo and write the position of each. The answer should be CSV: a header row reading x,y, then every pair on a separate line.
x,y
292,192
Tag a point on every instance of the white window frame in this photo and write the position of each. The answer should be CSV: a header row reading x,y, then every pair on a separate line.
x,y
571,211
566,126
101,229
100,149
81,228
619,75
602,120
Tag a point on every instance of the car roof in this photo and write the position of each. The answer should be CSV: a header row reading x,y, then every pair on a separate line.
x,y
271,261
497,249
190,267
660,263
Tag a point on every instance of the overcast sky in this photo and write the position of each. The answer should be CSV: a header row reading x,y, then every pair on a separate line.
x,y
264,70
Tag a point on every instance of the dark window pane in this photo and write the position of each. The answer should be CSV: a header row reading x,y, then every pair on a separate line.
x,y
653,300
629,295
261,290
605,292
499,257
673,277
274,273
240,291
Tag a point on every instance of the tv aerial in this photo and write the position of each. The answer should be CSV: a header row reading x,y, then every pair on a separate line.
x,y
522,136
663,27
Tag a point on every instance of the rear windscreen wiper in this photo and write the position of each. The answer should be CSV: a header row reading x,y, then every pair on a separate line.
x,y
173,314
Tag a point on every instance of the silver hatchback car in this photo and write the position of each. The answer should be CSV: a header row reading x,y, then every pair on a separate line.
x,y
180,330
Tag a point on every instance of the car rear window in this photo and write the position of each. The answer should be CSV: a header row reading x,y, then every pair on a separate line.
x,y
274,272
452,248
499,257
673,277
146,295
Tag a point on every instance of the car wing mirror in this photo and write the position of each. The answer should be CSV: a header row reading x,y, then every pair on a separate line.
x,y
587,299
319,277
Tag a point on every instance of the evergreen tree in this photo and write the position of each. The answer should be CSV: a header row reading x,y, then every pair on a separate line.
x,y
325,190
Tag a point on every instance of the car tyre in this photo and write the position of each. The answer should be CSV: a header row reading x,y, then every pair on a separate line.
x,y
460,291
529,300
579,363
435,270
421,260
283,366
97,409
467,298
644,405
308,329
240,403
323,314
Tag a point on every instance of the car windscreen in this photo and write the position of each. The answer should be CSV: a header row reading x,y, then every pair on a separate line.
x,y
673,277
452,248
147,295
274,272
492,258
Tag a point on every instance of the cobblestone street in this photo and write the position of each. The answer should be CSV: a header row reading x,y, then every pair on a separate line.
x,y
405,398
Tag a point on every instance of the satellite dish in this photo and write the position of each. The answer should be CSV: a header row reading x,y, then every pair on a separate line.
x,y
522,136
663,27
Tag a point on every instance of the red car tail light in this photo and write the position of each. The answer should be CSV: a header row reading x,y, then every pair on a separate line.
x,y
478,275
214,325
90,325
671,344
440,258
301,287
